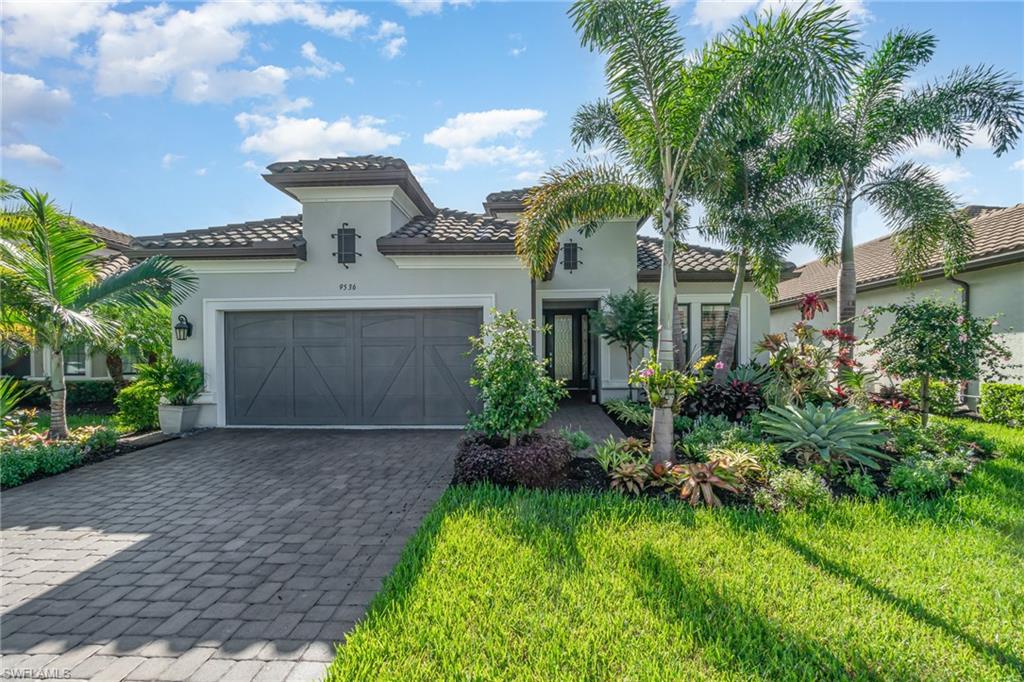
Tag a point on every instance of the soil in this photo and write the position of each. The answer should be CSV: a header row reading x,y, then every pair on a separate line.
x,y
582,474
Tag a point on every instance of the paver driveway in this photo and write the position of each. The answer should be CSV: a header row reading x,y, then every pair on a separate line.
x,y
233,554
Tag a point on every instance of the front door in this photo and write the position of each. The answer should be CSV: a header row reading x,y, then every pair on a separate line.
x,y
567,346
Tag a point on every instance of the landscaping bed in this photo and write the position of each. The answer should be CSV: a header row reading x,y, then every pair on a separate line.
x,y
501,583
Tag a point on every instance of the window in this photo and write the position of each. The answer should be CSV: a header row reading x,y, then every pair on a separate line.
x,y
570,256
74,360
347,245
129,358
683,318
712,328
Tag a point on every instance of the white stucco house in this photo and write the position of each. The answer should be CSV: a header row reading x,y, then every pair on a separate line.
x,y
356,310
990,284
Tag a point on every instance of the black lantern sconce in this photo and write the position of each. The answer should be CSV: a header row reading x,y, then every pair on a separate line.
x,y
183,329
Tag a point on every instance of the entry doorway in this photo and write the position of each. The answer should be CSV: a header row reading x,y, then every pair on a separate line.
x,y
570,348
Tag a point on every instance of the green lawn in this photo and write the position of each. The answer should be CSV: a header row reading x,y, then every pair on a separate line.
x,y
532,585
76,420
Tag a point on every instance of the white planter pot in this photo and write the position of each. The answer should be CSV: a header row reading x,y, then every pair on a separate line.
x,y
178,418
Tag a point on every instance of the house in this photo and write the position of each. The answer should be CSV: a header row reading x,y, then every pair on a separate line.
x,y
81,362
991,283
357,310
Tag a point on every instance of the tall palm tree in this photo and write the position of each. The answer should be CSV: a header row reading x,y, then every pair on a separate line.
x,y
881,120
765,200
665,114
56,286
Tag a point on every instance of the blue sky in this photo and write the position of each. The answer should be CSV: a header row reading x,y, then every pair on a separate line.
x,y
150,118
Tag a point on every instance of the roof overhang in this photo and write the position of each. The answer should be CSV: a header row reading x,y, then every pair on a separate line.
x,y
492,207
425,246
401,177
274,250
701,275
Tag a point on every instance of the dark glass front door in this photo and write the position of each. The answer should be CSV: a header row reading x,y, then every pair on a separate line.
x,y
567,346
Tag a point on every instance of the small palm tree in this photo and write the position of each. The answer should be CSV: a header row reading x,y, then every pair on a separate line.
x,y
666,114
55,286
629,319
882,119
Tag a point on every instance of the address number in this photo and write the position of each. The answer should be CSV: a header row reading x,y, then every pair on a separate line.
x,y
347,286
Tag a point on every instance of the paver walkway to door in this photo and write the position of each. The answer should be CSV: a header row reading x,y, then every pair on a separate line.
x,y
233,554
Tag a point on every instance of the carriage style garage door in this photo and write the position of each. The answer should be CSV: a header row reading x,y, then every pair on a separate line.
x,y
361,367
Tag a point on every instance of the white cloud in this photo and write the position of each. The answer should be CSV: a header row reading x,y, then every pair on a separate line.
x,y
419,7
393,37
30,153
170,159
1018,165
289,138
947,173
34,29
200,172
252,166
463,136
528,177
715,15
928,149
28,99
229,85
320,67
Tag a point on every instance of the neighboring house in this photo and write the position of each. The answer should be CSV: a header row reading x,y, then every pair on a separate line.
x,y
83,362
991,283
357,312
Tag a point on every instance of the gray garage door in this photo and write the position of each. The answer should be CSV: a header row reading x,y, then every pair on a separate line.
x,y
383,367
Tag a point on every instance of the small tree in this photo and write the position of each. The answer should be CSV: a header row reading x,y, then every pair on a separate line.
x,y
629,320
933,339
146,332
516,392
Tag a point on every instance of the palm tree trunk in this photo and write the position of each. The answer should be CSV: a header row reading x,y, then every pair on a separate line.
x,y
846,285
58,397
115,366
727,351
661,421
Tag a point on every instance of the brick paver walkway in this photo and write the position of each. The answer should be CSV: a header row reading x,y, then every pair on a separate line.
x,y
233,554
578,414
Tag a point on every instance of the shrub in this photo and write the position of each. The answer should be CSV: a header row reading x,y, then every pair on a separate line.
x,y
862,484
696,482
53,458
578,439
791,487
181,380
629,477
751,373
955,465
536,461
516,393
93,392
137,406
734,400
629,412
16,464
826,433
941,399
681,423
707,432
918,478
94,438
1002,404
740,460
610,453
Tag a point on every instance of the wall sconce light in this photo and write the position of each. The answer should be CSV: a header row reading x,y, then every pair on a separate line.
x,y
183,329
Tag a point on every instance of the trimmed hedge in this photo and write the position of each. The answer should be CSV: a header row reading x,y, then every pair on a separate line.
x,y
1002,404
21,460
137,406
94,392
941,396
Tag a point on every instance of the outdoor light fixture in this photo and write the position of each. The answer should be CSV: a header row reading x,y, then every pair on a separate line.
x,y
183,329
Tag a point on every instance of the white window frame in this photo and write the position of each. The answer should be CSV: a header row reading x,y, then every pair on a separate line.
x,y
695,301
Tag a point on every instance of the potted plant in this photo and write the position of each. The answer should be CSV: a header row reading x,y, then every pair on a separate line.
x,y
181,382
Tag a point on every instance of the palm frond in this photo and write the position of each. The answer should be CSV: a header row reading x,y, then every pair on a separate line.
x,y
924,217
154,281
885,71
576,195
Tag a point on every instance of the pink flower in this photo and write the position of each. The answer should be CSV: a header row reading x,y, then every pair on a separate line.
x,y
963,338
719,365
960,320
995,323
646,372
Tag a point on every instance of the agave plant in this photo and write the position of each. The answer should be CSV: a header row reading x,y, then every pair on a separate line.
x,y
751,373
827,433
697,481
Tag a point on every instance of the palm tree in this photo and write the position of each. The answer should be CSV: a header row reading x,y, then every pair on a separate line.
x,y
665,114
882,119
629,319
765,200
55,286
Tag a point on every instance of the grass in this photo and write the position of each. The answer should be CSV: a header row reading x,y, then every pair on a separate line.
x,y
531,585
77,420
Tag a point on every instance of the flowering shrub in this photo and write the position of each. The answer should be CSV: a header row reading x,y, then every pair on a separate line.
x,y
664,387
932,339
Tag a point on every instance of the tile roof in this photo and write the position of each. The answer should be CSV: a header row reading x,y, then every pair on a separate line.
x,y
113,266
283,231
996,231
339,163
112,238
448,225
508,195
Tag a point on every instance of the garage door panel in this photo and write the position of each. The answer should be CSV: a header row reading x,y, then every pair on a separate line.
x,y
350,367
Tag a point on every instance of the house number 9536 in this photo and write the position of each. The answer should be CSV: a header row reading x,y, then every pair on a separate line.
x,y
347,286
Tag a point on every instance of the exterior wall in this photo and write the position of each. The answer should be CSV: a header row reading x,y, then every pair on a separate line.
x,y
374,281
997,291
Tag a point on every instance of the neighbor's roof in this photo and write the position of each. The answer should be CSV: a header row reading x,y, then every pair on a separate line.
x,y
998,235
271,237
112,238
449,231
509,200
339,163
692,262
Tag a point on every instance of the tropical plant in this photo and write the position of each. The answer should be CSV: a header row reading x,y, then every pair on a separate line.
x,y
56,286
630,477
664,388
741,461
883,117
697,481
707,432
629,412
181,381
942,396
578,439
629,319
516,393
750,373
144,333
931,339
862,484
826,433
793,488
734,400
666,115
12,392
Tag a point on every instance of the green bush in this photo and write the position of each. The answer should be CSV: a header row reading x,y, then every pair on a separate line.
x,y
941,395
792,488
94,392
918,478
94,438
53,458
16,464
629,411
182,381
862,484
707,432
578,439
1002,404
137,405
